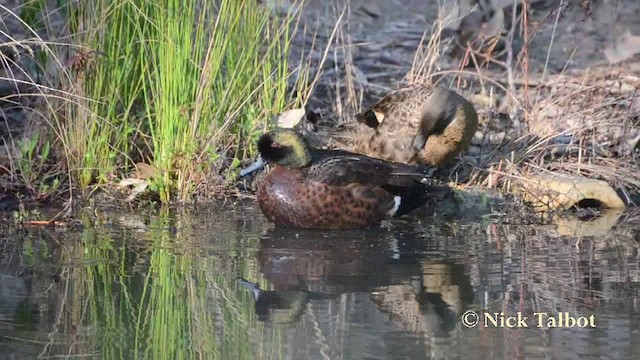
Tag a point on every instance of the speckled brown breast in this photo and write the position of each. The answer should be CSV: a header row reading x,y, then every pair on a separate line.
x,y
286,197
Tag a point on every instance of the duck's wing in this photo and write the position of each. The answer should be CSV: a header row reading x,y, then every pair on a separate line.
x,y
341,168
405,97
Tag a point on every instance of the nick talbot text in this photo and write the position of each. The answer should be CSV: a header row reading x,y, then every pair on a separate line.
x,y
538,319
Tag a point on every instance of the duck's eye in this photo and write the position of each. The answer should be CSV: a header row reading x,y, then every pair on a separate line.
x,y
275,145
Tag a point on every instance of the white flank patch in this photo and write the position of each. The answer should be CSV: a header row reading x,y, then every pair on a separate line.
x,y
396,206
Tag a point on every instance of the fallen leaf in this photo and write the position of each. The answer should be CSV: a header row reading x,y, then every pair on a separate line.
x,y
139,186
495,25
44,223
146,171
290,118
626,47
130,181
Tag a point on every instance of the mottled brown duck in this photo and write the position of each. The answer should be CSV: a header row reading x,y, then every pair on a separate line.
x,y
414,124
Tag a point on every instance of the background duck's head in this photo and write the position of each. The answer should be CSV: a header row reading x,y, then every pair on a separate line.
x,y
283,147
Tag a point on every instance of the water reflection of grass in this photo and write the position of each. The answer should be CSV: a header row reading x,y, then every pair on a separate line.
x,y
165,287
163,301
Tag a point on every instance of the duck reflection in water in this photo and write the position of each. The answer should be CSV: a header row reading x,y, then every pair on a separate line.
x,y
417,294
290,304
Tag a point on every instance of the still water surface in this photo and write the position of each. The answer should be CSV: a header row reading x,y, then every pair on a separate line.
x,y
166,286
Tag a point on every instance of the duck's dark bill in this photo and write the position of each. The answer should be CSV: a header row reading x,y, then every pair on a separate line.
x,y
258,164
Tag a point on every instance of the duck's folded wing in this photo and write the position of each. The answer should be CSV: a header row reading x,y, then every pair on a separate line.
x,y
344,170
409,98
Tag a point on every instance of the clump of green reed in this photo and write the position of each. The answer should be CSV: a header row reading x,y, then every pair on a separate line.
x,y
211,87
173,83
105,71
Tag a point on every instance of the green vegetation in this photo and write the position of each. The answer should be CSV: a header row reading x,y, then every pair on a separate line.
x,y
177,85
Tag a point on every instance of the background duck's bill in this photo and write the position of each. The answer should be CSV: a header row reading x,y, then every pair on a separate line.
x,y
257,164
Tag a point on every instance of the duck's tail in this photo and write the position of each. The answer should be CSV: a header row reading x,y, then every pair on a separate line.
x,y
413,197
408,198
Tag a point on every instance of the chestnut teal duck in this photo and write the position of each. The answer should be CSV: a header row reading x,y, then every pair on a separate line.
x,y
332,189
